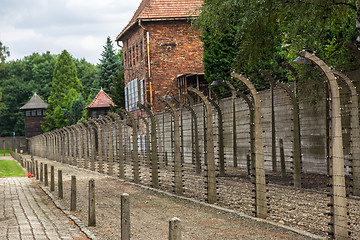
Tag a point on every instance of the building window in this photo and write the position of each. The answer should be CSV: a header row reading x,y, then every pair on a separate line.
x,y
28,113
44,111
33,113
132,92
39,112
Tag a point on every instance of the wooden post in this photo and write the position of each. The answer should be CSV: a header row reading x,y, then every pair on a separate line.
x,y
46,175
73,194
52,179
282,158
60,184
91,213
36,170
175,229
41,172
125,217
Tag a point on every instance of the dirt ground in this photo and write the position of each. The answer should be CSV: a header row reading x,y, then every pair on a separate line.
x,y
150,212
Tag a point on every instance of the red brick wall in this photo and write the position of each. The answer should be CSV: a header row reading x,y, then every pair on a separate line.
x,y
175,48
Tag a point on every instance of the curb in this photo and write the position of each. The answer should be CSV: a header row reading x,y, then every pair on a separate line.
x,y
77,221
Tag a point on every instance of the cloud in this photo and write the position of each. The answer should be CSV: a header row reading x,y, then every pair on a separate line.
x,y
79,26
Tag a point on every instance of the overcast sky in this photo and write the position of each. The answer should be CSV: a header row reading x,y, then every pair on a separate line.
x,y
79,26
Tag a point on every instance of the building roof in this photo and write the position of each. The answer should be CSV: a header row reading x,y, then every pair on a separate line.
x,y
101,100
163,9
35,102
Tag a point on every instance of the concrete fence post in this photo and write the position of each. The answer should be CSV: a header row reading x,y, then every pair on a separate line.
x,y
36,170
60,185
125,216
175,229
338,207
154,153
178,187
210,161
260,183
41,172
73,194
91,213
135,150
46,175
119,148
52,179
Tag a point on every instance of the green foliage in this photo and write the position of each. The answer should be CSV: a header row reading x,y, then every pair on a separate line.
x,y
4,52
65,86
108,66
87,74
251,35
117,91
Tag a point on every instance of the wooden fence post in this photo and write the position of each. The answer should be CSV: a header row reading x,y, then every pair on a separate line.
x,y
60,184
175,229
91,213
125,217
73,194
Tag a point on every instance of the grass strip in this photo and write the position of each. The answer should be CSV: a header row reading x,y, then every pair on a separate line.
x,y
10,168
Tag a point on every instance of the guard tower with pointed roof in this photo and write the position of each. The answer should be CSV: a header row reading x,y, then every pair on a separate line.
x,y
160,44
100,105
34,111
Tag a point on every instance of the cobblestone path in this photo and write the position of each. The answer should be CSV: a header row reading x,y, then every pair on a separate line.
x,y
26,212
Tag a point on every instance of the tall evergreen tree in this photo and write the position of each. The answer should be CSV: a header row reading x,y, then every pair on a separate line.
x,y
4,52
108,66
117,92
64,80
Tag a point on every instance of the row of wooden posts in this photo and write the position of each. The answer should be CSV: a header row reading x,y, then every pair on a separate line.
x,y
42,175
60,144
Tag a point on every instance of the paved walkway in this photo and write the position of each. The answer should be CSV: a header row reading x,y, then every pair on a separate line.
x,y
26,212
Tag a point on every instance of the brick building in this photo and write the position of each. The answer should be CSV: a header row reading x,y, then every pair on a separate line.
x,y
162,51
34,111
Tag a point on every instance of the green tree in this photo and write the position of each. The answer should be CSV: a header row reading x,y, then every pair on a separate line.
x,y
108,66
64,81
4,52
87,73
117,92
266,33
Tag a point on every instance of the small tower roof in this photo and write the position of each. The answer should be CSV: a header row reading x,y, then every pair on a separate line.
x,y
35,102
101,100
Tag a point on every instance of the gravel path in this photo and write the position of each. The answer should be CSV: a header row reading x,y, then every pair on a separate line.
x,y
151,211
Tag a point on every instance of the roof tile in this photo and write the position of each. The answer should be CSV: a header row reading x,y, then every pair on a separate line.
x,y
162,9
101,100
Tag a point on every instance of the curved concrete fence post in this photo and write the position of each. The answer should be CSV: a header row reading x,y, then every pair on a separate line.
x,y
296,130
99,145
273,127
147,140
260,183
92,143
177,150
220,137
77,128
86,150
109,123
135,150
119,145
195,135
338,205
355,134
210,161
154,154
